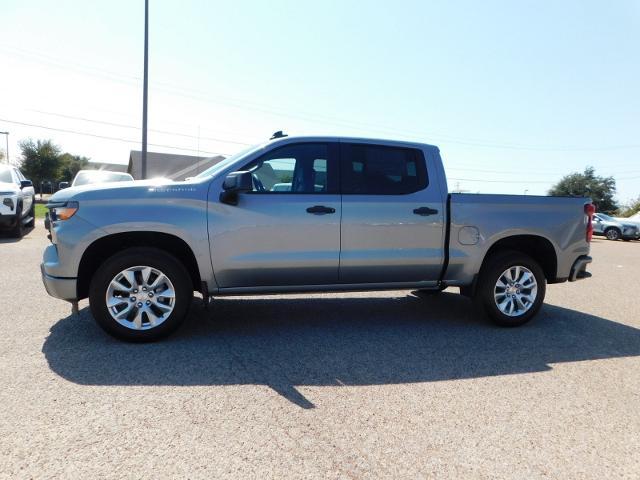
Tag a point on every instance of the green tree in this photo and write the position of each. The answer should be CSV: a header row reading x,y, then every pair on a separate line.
x,y
588,184
70,165
40,160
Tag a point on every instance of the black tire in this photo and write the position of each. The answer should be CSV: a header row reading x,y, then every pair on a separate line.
x,y
32,213
18,231
489,276
158,259
612,233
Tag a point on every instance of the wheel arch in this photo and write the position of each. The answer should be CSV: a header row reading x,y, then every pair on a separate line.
x,y
105,247
537,247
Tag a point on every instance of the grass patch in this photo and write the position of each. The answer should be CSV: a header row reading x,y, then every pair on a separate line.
x,y
40,210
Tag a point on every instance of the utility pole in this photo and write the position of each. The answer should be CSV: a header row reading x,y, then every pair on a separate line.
x,y
7,137
145,88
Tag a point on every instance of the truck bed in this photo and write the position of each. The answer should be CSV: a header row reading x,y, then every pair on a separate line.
x,y
555,225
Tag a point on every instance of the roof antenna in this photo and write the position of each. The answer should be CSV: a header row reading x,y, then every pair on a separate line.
x,y
278,134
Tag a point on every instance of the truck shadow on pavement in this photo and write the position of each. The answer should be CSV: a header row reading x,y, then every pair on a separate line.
x,y
333,341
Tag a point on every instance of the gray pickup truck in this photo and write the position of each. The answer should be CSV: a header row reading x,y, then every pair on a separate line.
x,y
307,214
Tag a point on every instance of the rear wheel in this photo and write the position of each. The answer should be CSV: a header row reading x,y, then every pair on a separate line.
x,y
511,288
140,294
612,233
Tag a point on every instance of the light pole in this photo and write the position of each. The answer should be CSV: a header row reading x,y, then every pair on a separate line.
x,y
145,88
7,137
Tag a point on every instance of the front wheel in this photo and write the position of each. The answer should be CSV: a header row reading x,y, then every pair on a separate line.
x,y
612,233
140,294
32,214
18,230
511,288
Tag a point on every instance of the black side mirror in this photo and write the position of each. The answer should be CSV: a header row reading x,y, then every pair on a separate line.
x,y
63,185
235,183
26,183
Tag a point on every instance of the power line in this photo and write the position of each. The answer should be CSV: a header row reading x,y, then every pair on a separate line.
x,y
122,125
496,181
512,172
318,118
105,137
184,135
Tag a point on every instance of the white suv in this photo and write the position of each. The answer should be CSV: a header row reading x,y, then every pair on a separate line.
x,y
17,201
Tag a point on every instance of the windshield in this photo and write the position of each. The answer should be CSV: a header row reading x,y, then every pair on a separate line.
x,y
86,178
226,162
606,217
5,175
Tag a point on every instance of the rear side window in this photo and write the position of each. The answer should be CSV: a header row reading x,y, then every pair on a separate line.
x,y
381,170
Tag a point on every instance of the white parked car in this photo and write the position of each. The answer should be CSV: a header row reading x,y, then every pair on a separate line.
x,y
86,177
17,201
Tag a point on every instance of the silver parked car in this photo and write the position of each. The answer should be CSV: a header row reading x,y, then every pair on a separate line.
x,y
614,229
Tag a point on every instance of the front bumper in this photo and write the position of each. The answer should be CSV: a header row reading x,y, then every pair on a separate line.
x,y
579,268
62,288
8,220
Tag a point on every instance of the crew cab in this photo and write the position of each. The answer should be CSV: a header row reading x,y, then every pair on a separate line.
x,y
307,214
17,201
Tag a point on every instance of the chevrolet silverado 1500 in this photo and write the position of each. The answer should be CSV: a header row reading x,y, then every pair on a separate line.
x,y
307,214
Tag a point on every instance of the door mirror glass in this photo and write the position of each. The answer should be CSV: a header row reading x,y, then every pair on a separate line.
x,y
235,183
63,185
238,181
25,183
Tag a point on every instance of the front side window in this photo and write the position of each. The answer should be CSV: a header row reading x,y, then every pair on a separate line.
x,y
298,168
381,170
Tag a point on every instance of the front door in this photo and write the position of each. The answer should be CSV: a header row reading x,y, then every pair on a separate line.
x,y
287,230
392,216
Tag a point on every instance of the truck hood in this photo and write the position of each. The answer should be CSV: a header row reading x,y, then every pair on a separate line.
x,y
97,191
9,187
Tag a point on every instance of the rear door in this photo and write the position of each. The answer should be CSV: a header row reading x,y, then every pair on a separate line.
x,y
392,216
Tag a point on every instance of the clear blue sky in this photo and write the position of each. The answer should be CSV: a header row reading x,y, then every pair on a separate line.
x,y
516,94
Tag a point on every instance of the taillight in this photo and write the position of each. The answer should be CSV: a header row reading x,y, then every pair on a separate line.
x,y
589,210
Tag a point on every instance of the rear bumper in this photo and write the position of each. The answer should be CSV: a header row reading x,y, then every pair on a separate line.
x,y
62,288
579,268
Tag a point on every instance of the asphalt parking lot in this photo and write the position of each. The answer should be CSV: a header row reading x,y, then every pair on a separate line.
x,y
358,385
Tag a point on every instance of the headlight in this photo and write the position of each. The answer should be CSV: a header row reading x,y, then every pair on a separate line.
x,y
63,212
8,202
